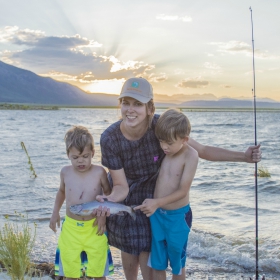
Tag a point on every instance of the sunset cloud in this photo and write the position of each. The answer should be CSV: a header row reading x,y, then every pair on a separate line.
x,y
70,55
37,38
158,78
225,86
16,36
236,47
214,68
192,83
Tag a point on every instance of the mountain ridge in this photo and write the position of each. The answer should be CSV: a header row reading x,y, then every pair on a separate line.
x,y
23,86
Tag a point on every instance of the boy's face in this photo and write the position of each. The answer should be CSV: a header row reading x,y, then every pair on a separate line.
x,y
81,162
172,148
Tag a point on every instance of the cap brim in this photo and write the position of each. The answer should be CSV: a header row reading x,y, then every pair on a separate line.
x,y
136,96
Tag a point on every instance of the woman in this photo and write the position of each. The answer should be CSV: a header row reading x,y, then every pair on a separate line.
x,y
132,153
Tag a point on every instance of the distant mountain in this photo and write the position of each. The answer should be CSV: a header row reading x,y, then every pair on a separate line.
x,y
230,103
179,98
22,86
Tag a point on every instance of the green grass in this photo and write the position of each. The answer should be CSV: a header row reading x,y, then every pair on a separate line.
x,y
263,172
31,168
14,106
16,244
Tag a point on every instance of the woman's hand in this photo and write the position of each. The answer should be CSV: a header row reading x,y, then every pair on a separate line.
x,y
253,154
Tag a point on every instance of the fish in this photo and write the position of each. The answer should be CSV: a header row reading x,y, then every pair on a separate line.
x,y
85,209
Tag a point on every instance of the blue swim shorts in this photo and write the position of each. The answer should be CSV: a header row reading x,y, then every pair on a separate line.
x,y
81,252
170,232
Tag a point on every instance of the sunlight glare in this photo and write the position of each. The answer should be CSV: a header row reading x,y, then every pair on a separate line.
x,y
105,86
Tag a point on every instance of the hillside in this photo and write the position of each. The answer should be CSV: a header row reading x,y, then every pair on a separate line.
x,y
22,86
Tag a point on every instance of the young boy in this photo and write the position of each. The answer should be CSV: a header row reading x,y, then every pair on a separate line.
x,y
81,182
170,213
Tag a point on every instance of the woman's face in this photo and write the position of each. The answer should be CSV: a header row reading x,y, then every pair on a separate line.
x,y
134,112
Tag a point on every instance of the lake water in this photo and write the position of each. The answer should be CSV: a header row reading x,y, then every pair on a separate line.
x,y
222,196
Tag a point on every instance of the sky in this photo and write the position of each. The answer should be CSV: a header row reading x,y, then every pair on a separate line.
x,y
181,46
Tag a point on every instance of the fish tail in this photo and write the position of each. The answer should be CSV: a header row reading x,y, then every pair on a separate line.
x,y
133,214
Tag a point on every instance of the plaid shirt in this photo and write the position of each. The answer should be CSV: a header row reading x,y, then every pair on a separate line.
x,y
140,160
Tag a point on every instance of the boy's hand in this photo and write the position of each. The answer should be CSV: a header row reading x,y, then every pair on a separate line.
x,y
55,219
101,223
253,154
148,207
101,211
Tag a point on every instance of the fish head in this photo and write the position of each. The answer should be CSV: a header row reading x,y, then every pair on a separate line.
x,y
76,209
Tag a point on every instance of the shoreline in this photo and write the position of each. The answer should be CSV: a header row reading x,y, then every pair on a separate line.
x,y
45,271
54,107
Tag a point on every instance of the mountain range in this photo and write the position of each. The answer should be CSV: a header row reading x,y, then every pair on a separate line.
x,y
22,86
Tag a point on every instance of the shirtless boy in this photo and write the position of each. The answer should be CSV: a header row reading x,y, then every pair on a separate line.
x,y
169,211
81,182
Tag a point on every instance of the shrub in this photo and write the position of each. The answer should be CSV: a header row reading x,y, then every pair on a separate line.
x,y
263,172
16,244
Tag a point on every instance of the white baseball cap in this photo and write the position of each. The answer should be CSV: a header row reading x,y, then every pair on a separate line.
x,y
137,88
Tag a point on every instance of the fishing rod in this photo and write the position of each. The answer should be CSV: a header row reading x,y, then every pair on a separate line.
x,y
256,164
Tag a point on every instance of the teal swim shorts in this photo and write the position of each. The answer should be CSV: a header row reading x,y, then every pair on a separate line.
x,y
170,231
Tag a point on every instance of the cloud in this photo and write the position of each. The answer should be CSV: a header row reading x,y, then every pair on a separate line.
x,y
192,83
16,36
236,47
128,65
60,76
174,18
157,78
179,71
215,69
274,69
71,55
212,66
37,38
225,86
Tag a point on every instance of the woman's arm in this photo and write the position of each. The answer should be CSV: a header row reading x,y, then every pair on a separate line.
x,y
251,155
120,187
119,192
104,182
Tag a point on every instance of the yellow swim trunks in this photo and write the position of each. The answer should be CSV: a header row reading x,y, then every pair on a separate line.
x,y
81,251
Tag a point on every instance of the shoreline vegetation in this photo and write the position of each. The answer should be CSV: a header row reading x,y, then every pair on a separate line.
x,y
39,269
24,106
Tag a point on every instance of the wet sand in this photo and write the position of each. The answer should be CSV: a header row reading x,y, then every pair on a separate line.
x,y
191,275
195,269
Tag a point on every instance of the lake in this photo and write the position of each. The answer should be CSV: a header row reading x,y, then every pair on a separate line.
x,y
222,196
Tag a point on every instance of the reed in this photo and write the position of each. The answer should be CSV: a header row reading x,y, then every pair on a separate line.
x,y
16,244
263,172
31,168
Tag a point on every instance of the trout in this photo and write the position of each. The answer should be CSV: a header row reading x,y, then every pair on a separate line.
x,y
85,209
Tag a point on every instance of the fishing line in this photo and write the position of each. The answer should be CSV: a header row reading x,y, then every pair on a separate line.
x,y
256,164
